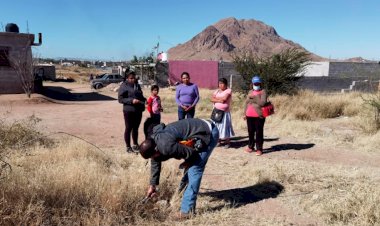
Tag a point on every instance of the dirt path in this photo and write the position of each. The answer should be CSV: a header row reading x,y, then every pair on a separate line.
x,y
97,117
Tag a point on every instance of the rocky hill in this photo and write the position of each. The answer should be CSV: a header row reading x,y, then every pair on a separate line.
x,y
228,36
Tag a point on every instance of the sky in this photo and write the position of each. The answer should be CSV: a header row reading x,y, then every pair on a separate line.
x,y
119,29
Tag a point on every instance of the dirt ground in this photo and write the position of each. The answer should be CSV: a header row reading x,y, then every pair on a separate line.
x,y
97,117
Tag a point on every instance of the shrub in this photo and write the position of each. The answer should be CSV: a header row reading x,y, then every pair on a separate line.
x,y
279,72
373,101
21,133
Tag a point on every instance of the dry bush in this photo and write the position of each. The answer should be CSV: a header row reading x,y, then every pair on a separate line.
x,y
21,133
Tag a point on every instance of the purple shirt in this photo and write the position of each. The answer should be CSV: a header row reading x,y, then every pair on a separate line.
x,y
187,95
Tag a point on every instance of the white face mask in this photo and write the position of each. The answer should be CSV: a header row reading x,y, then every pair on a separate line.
x,y
256,87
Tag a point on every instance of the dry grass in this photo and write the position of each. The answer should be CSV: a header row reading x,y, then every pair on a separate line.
x,y
73,183
342,119
336,194
311,106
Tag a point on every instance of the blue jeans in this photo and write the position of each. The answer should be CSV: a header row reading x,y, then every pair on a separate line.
x,y
185,114
194,174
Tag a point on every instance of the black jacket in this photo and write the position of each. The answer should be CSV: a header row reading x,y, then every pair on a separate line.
x,y
128,92
167,140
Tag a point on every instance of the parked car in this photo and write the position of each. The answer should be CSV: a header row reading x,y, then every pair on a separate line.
x,y
105,79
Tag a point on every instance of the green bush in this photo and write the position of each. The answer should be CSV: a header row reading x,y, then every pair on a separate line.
x,y
279,72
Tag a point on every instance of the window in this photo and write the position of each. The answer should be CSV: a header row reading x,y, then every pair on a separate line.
x,y
4,59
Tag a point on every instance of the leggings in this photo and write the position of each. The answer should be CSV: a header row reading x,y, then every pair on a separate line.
x,y
132,122
255,132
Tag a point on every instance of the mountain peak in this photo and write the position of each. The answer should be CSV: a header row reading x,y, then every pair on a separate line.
x,y
229,36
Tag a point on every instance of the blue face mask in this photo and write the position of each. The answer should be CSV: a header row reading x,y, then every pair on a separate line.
x,y
256,87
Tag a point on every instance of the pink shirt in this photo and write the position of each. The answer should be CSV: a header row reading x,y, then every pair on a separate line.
x,y
222,94
251,112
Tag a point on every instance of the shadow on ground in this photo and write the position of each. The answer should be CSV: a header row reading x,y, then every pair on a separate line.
x,y
242,141
285,147
60,93
242,196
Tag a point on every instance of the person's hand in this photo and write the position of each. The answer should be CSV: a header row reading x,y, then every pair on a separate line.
x,y
185,165
151,191
135,101
183,107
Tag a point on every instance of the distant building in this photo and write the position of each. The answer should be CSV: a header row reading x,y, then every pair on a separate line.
x,y
45,71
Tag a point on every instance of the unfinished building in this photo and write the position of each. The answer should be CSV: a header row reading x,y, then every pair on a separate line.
x,y
16,59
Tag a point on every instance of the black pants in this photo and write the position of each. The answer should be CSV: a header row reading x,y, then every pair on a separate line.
x,y
255,132
132,122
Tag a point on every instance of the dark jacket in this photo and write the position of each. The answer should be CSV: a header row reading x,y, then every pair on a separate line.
x,y
128,92
167,140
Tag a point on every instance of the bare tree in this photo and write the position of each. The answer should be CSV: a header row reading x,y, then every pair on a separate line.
x,y
22,62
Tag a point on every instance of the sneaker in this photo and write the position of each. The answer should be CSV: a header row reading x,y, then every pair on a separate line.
x,y
129,150
248,150
181,216
136,148
259,152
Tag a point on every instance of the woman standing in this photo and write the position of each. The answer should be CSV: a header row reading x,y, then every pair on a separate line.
x,y
222,101
131,96
187,97
256,99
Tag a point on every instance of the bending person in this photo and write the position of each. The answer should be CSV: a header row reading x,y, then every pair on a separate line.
x,y
163,143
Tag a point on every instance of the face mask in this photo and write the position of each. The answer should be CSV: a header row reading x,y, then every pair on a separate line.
x,y
256,87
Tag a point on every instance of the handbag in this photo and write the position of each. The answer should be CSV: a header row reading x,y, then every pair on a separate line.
x,y
267,109
217,115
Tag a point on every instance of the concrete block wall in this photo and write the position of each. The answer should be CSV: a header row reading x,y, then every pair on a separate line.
x,y
9,81
227,71
354,70
19,49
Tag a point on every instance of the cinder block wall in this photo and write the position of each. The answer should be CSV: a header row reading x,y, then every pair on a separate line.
x,y
354,70
18,45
